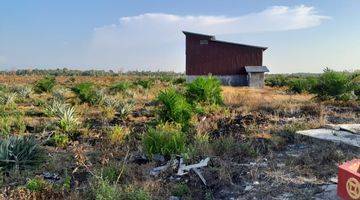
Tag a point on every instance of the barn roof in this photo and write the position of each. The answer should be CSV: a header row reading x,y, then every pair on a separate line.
x,y
256,69
212,38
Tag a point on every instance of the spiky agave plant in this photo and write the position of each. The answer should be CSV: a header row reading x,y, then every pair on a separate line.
x,y
124,109
22,91
67,119
20,152
56,108
8,98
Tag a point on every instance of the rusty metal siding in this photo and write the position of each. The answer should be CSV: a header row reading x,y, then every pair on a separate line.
x,y
219,58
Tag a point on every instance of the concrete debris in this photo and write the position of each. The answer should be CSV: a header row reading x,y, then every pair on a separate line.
x,y
174,198
197,171
329,192
337,134
157,170
184,169
352,128
248,188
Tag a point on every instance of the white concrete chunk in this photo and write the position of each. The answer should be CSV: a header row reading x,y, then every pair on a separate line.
x,y
333,135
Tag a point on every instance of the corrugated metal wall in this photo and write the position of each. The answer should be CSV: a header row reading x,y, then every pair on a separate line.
x,y
219,58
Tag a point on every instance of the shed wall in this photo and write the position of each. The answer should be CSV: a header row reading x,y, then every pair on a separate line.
x,y
219,58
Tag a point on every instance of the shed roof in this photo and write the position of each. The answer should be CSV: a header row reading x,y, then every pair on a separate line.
x,y
256,69
212,38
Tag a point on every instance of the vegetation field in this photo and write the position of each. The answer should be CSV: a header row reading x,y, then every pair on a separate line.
x,y
68,135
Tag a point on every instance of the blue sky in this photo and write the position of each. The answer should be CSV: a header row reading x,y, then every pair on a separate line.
x,y
302,36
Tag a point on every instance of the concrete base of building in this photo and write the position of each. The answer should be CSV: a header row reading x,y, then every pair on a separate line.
x,y
231,80
253,80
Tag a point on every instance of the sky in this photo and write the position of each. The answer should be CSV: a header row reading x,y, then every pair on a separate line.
x,y
301,36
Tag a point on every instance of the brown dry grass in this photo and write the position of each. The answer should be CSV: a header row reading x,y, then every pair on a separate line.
x,y
253,98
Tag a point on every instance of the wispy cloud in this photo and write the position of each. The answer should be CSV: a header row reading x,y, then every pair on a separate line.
x,y
155,40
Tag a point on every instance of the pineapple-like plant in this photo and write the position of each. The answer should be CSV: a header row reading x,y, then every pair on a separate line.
x,y
20,152
56,108
7,98
23,91
67,119
124,109
59,94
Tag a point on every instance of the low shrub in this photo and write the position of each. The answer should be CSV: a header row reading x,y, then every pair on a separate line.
x,y
179,80
117,134
36,185
174,107
301,85
165,139
205,90
276,80
134,193
45,84
105,191
120,87
180,190
144,83
20,152
87,93
333,85
60,140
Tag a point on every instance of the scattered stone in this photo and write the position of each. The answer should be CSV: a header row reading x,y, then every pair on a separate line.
x,y
158,158
140,159
52,177
174,198
248,188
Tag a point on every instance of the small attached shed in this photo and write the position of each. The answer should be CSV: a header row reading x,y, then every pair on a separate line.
x,y
255,75
234,64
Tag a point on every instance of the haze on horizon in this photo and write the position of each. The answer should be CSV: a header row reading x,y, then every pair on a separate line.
x,y
302,36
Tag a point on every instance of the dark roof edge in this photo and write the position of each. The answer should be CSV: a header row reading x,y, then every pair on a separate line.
x,y
233,43
220,41
192,33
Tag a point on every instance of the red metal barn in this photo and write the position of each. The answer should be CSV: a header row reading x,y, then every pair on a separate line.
x,y
234,64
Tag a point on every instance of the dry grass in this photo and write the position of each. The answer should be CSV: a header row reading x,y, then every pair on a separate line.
x,y
254,99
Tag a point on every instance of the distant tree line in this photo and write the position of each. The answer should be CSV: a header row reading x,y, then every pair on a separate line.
x,y
74,72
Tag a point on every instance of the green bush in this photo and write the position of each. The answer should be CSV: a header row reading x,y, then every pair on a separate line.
x,y
36,185
333,85
174,107
87,93
105,191
134,193
301,85
144,83
165,139
60,140
20,152
276,80
179,80
204,90
120,87
45,84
